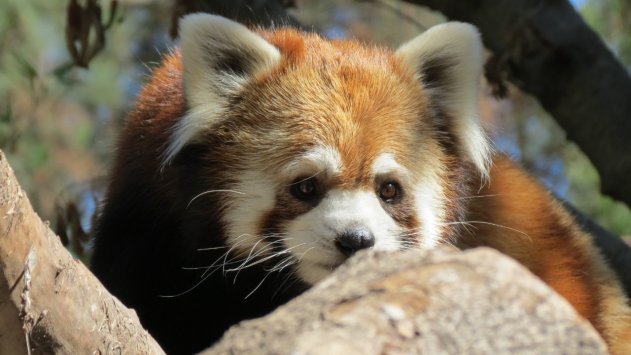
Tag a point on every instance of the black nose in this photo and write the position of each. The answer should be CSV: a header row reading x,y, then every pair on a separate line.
x,y
353,240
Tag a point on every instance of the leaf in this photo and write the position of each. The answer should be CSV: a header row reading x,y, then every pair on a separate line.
x,y
25,67
5,127
61,73
6,115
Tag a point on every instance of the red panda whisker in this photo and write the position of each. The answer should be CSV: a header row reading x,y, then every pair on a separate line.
x,y
227,262
283,264
215,266
257,286
471,223
269,273
225,255
244,264
204,277
282,252
239,241
287,278
211,191
251,251
304,252
212,248
287,261
304,178
478,196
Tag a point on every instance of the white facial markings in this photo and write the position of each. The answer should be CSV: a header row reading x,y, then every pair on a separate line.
x,y
428,197
313,233
256,196
310,237
386,164
321,159
429,200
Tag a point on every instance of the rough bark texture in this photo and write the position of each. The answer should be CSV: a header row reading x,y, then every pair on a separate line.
x,y
48,297
474,302
545,48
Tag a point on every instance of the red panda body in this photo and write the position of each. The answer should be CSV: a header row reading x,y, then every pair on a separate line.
x,y
257,162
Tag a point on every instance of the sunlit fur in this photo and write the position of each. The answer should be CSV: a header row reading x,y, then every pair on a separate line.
x,y
202,226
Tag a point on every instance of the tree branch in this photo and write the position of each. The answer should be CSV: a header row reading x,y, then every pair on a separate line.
x,y
50,302
547,50
421,302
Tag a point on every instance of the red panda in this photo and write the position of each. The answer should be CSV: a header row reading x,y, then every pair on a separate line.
x,y
256,162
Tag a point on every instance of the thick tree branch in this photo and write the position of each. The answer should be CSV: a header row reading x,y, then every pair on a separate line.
x,y
547,50
49,300
420,302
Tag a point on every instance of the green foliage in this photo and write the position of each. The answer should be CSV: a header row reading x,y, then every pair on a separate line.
x,y
612,20
58,122
5,126
584,193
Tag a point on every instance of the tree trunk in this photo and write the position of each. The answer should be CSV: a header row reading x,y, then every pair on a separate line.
x,y
546,49
51,303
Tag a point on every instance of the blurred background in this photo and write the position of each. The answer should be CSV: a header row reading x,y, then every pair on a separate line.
x,y
59,122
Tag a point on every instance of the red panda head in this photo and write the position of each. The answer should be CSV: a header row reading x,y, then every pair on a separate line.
x,y
316,149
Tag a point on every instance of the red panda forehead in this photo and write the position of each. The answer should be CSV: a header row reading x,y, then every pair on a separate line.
x,y
358,111
339,81
304,48
340,95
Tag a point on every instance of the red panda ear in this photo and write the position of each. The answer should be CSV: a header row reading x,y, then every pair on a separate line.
x,y
219,56
447,60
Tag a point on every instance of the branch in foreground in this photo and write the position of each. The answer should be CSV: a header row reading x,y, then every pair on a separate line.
x,y
440,301
49,300
547,50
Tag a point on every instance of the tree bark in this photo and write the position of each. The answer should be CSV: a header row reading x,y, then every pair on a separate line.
x,y
420,302
51,303
546,49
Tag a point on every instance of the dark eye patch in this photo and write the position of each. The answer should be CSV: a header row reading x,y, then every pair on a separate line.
x,y
307,189
390,192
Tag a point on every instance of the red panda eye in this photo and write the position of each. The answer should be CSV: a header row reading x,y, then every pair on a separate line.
x,y
305,189
389,191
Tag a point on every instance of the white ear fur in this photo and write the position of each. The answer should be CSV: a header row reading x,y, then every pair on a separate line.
x,y
447,60
219,56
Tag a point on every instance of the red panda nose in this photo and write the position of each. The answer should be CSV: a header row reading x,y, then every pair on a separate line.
x,y
353,240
